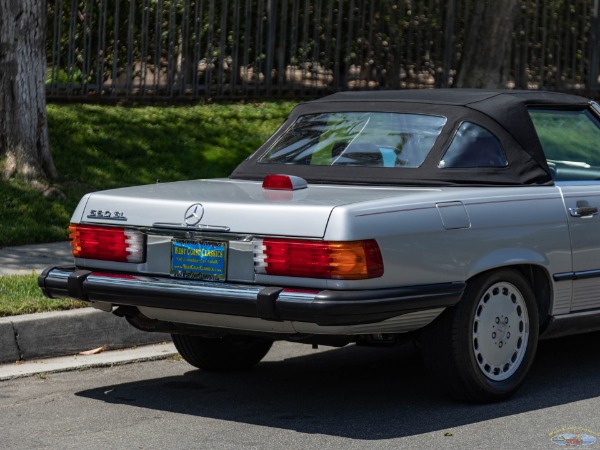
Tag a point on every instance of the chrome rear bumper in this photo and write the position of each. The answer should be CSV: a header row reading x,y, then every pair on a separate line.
x,y
326,307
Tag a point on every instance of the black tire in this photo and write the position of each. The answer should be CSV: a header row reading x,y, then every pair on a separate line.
x,y
481,349
223,354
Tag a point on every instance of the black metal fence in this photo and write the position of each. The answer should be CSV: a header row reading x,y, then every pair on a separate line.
x,y
148,49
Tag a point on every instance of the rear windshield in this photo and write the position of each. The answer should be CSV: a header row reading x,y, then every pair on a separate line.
x,y
370,139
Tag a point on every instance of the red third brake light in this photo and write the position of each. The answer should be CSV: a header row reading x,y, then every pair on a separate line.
x,y
284,182
107,243
353,260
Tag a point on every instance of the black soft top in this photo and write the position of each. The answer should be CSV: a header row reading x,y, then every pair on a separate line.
x,y
503,112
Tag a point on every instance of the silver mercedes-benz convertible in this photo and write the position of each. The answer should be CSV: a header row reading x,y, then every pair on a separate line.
x,y
466,220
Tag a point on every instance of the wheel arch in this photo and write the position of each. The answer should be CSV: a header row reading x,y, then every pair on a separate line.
x,y
541,284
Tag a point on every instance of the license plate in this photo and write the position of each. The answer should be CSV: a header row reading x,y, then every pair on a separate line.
x,y
201,260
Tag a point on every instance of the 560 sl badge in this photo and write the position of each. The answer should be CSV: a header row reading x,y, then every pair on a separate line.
x,y
106,215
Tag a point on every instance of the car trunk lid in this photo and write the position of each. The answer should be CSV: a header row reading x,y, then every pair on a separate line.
x,y
236,206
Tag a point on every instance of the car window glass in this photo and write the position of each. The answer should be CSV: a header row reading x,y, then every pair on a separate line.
x,y
370,139
473,146
571,143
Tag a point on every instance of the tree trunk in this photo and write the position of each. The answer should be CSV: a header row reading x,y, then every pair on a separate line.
x,y
487,43
23,122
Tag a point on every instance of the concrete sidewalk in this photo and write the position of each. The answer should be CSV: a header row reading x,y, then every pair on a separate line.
x,y
44,335
25,259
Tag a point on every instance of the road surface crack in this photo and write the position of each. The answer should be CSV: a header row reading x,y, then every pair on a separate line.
x,y
16,335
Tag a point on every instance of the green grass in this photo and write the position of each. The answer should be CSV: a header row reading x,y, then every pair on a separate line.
x,y
102,147
19,294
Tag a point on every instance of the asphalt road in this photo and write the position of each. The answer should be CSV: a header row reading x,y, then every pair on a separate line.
x,y
300,398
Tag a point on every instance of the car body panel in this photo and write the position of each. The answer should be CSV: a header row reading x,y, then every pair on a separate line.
x,y
585,241
229,205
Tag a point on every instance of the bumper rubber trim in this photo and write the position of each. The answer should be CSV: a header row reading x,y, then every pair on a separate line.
x,y
327,307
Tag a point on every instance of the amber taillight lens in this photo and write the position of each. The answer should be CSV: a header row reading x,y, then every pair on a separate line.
x,y
107,243
352,260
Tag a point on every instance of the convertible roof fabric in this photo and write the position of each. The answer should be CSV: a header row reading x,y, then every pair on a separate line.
x,y
503,112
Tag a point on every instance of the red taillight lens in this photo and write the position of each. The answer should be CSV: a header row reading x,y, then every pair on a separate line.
x,y
284,182
352,260
107,243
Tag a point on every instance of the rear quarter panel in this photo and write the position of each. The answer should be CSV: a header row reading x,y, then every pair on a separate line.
x,y
502,227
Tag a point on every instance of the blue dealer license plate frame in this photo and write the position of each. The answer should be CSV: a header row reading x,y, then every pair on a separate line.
x,y
199,259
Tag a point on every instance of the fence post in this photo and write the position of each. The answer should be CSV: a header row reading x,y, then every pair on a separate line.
x,y
271,23
594,68
449,42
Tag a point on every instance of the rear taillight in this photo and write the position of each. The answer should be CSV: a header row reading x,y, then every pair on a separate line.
x,y
284,182
352,260
107,243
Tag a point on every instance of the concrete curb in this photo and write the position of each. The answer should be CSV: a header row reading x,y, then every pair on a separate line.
x,y
41,367
44,335
63,333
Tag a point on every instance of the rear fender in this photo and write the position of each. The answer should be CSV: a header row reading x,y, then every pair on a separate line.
x,y
507,257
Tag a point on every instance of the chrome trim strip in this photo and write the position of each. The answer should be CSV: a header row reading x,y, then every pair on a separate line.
x,y
571,276
181,226
176,287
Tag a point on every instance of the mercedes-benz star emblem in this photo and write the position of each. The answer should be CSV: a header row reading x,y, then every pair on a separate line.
x,y
193,214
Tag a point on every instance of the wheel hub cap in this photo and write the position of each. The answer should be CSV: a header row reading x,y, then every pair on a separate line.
x,y
500,331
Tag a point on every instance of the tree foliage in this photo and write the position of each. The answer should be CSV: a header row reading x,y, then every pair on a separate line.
x,y
240,47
